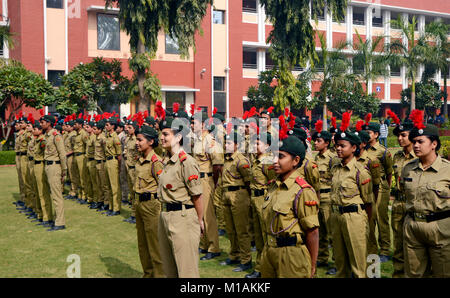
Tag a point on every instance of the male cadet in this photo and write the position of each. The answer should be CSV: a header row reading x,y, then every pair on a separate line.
x,y
91,166
79,151
131,156
113,153
23,144
266,118
376,150
236,176
55,168
68,145
209,157
325,160
122,134
18,134
104,195
36,213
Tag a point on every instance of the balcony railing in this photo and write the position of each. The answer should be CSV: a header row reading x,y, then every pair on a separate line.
x,y
249,66
249,9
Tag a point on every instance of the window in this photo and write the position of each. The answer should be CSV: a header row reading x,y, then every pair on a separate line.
x,y
269,61
55,77
358,65
249,58
220,96
395,71
172,97
172,45
410,20
249,6
219,17
394,16
377,18
219,83
108,32
55,4
358,15
320,11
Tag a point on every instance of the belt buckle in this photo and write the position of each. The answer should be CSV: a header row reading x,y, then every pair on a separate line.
x,y
419,216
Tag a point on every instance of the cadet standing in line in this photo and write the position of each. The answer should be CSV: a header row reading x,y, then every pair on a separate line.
x,y
263,174
290,217
55,168
181,220
401,158
236,178
376,150
325,160
209,158
125,192
20,203
91,165
37,212
113,153
148,208
24,164
100,140
79,151
71,164
426,184
351,205
131,156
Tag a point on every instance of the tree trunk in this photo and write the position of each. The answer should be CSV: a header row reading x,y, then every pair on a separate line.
x,y
325,124
445,99
143,100
413,95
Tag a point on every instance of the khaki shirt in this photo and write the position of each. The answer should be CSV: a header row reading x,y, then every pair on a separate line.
x,y
325,163
113,147
374,167
17,141
279,218
206,152
384,156
236,170
90,146
400,160
147,173
68,141
263,173
99,146
351,184
30,147
39,148
54,148
180,179
79,141
23,141
130,152
310,172
426,190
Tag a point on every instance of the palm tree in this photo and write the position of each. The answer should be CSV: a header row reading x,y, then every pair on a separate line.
x,y
439,53
7,36
409,54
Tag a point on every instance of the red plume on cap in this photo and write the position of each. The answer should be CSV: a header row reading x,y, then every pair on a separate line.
x,y
89,118
252,112
30,118
269,110
394,117
145,114
292,120
333,122
159,110
368,118
176,107
245,115
214,111
359,125
80,115
417,118
192,110
345,121
283,128
41,112
286,112
319,126
129,117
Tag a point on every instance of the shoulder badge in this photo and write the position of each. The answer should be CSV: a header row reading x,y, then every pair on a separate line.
x,y
310,203
55,133
193,177
314,166
154,158
366,181
303,184
375,165
270,167
159,172
246,166
182,156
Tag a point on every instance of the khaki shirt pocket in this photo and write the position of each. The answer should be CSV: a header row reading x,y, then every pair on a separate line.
x,y
349,190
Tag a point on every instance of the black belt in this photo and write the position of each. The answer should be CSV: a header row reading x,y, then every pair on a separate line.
x,y
234,188
91,158
100,161
147,196
69,155
21,153
30,158
131,167
50,162
111,157
348,209
176,207
383,177
432,216
258,192
286,241
202,175
36,162
78,153
325,190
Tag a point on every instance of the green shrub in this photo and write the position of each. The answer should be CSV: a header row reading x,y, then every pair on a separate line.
x,y
445,148
7,157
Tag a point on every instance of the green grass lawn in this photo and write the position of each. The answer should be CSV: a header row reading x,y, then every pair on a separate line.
x,y
107,246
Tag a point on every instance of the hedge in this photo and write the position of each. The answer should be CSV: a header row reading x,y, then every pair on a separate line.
x,y
7,158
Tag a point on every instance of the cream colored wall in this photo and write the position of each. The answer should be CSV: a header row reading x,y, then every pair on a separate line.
x,y
321,25
56,36
220,4
249,73
396,80
377,31
220,49
339,27
249,18
161,52
361,29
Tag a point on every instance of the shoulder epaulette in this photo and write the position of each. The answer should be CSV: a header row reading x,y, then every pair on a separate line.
x,y
303,184
154,158
55,133
182,156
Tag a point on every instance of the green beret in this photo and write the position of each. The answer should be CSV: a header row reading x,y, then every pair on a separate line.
x,y
49,118
363,136
181,114
79,120
333,130
70,123
373,126
167,123
58,127
429,130
37,124
294,146
134,124
219,116
404,126
347,136
325,135
120,124
100,124
148,132
150,120
299,133
266,138
91,123
271,115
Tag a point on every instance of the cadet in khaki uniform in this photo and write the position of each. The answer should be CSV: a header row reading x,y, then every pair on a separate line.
x,y
36,205
79,151
23,147
125,192
426,184
351,204
18,135
131,156
263,175
148,208
209,157
325,160
55,168
181,220
400,159
290,218
236,177
68,144
376,150
113,153
99,156
91,166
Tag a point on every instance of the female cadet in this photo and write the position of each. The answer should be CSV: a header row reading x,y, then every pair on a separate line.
x,y
181,220
290,217
426,184
147,207
351,194
131,156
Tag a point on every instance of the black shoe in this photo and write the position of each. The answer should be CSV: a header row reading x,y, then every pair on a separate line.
x,y
130,219
230,262
56,228
94,205
202,251
254,274
252,244
222,232
243,267
83,202
32,216
124,202
104,208
321,264
37,220
133,220
331,271
49,224
113,213
210,255
384,258
43,223
107,212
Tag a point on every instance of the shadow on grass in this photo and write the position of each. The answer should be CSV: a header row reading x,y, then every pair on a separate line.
x,y
118,269
16,196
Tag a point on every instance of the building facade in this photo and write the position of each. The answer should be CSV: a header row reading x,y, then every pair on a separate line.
x,y
53,36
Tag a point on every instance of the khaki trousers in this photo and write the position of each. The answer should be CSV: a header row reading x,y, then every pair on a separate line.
x,y
256,206
397,220
80,175
53,174
43,192
71,174
210,239
147,218
236,208
36,199
286,262
380,219
219,206
26,181
20,178
89,190
124,181
112,175
104,194
92,180
179,237
324,231
131,178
